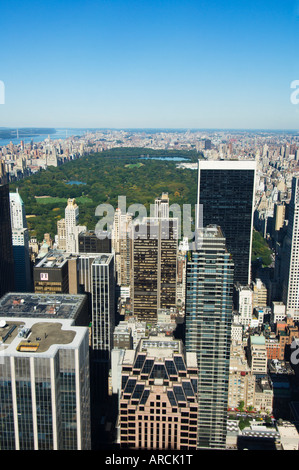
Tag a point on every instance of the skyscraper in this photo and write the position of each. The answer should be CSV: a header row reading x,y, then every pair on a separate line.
x,y
72,230
103,303
103,322
122,246
154,266
158,396
162,206
226,190
45,387
208,331
6,249
20,241
44,374
290,264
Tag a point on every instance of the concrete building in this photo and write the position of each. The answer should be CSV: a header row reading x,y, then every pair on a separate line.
x,y
241,386
162,206
263,397
72,229
158,407
257,354
44,384
259,294
244,304
44,372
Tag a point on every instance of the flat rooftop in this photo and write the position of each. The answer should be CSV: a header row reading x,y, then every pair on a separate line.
x,y
53,259
226,164
34,305
103,258
32,336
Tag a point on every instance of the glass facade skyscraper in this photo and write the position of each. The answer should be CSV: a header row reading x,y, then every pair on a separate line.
x,y
226,190
208,332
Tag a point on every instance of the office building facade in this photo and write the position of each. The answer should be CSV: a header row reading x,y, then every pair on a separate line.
x,y
158,396
290,260
208,332
103,303
154,267
44,385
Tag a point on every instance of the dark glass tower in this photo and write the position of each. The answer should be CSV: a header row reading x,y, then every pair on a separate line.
x,y
6,250
208,332
226,191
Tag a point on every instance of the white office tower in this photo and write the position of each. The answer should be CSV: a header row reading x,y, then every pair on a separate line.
x,y
20,242
17,211
162,206
72,230
291,261
44,384
245,305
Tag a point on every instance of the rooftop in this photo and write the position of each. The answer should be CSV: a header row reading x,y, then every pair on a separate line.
x,y
34,305
53,259
37,337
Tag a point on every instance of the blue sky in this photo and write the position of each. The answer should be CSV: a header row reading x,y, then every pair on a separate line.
x,y
153,63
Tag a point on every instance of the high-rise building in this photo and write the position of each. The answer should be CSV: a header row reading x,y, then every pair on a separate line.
x,y
162,206
158,396
122,246
20,242
244,304
6,248
72,229
45,387
51,273
103,312
17,211
209,294
61,234
154,266
226,190
90,242
103,303
44,374
290,260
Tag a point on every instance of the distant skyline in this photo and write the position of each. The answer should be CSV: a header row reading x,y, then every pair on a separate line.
x,y
149,64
